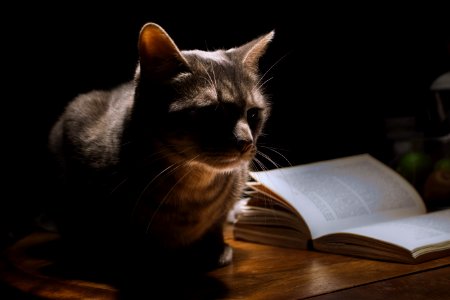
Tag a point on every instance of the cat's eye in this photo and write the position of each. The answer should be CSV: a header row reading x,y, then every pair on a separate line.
x,y
253,116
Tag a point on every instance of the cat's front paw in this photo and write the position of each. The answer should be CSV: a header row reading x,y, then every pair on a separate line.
x,y
226,257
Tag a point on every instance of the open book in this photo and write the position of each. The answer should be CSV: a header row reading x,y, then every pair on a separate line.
x,y
353,206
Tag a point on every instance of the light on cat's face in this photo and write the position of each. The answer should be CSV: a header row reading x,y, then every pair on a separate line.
x,y
215,112
219,135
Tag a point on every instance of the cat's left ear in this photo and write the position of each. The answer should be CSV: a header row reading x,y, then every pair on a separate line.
x,y
251,52
160,58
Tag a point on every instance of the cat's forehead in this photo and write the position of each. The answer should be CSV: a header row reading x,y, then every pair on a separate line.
x,y
216,77
199,56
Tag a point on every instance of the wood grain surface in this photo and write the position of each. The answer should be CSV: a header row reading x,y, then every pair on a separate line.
x,y
257,272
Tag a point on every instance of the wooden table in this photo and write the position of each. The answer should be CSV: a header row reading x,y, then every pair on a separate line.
x,y
258,272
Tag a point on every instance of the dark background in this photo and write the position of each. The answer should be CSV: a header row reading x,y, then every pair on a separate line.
x,y
338,74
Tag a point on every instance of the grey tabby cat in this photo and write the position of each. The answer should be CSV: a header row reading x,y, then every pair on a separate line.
x,y
157,162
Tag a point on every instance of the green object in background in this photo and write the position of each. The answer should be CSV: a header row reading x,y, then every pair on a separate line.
x,y
442,164
414,166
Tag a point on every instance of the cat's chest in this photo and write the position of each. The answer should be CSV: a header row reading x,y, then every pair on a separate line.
x,y
186,207
190,190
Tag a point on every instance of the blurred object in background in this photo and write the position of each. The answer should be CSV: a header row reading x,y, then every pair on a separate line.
x,y
437,185
421,152
438,123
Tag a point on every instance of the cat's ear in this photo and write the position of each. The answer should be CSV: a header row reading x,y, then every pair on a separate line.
x,y
251,52
159,57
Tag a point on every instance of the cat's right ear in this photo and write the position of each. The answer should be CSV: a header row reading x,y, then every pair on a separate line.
x,y
159,57
252,51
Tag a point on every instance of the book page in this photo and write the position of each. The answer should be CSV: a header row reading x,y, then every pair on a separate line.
x,y
411,233
342,193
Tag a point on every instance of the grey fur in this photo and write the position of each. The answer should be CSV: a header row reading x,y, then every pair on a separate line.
x,y
142,147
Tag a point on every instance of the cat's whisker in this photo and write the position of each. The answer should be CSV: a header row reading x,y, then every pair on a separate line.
x,y
267,157
209,81
161,203
213,83
166,170
118,185
214,76
259,164
257,85
254,165
263,83
263,197
126,143
165,153
277,152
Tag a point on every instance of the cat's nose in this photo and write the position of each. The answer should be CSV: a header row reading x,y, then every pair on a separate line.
x,y
244,145
243,136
